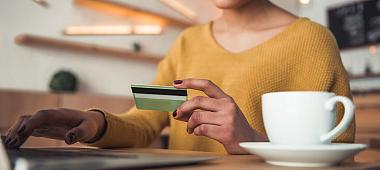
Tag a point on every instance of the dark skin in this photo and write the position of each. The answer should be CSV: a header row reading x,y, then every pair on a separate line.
x,y
216,116
63,124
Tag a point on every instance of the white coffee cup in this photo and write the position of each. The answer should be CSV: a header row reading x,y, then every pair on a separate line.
x,y
304,117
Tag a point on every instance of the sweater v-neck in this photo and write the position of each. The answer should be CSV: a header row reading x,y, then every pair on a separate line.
x,y
286,31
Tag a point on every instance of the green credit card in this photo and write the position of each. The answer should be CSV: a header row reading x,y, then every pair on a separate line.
x,y
161,98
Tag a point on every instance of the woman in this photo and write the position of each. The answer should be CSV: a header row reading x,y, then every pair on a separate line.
x,y
253,48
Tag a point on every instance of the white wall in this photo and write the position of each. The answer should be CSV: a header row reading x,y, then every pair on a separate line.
x,y
289,5
28,68
355,60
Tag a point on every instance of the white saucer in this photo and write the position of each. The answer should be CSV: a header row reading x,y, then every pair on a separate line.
x,y
303,156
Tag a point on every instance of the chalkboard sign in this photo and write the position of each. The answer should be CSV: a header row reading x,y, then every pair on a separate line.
x,y
356,24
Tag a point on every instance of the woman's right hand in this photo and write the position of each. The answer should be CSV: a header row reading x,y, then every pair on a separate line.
x,y
63,124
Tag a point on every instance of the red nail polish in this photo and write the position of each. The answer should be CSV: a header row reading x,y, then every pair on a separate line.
x,y
175,113
177,81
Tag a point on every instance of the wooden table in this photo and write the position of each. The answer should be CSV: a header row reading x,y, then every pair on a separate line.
x,y
367,159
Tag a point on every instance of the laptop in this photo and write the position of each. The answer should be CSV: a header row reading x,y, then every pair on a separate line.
x,y
88,159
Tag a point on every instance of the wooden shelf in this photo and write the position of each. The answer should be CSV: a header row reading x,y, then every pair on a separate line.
x,y
356,77
33,40
132,12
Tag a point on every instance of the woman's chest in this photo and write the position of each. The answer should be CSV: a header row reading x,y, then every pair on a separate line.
x,y
238,76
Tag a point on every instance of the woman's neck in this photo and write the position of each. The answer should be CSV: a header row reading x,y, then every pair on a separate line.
x,y
255,15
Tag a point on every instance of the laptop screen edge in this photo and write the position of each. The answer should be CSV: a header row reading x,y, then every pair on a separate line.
x,y
4,160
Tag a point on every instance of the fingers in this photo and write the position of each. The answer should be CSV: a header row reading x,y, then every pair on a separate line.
x,y
199,102
75,134
82,133
208,130
34,122
208,87
53,123
13,138
52,132
203,117
20,139
12,130
23,129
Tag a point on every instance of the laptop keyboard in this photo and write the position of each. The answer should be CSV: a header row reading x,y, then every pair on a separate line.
x,y
60,153
92,159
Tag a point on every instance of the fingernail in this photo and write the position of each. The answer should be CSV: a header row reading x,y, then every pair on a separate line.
x,y
177,81
188,131
175,113
72,138
21,130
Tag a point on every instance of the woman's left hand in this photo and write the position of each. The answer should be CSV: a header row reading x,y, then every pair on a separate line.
x,y
216,116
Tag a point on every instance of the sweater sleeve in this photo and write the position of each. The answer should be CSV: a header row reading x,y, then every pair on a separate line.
x,y
138,128
320,69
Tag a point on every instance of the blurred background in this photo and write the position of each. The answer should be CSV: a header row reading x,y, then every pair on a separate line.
x,y
86,53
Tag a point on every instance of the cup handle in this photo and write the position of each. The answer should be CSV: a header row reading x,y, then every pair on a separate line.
x,y
349,108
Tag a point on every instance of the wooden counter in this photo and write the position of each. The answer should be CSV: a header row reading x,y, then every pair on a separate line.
x,y
367,159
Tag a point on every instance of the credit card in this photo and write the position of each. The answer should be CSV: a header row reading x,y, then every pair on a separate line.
x,y
161,98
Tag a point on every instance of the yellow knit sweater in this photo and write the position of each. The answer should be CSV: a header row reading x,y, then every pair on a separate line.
x,y
302,57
